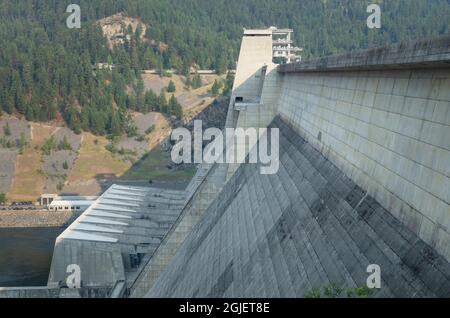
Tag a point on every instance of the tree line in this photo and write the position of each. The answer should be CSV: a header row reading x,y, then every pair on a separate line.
x,y
46,69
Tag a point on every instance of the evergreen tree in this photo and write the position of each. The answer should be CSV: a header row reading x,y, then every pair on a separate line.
x,y
171,87
215,88
221,65
22,142
151,101
162,103
175,107
140,94
116,129
196,81
2,198
43,63
7,130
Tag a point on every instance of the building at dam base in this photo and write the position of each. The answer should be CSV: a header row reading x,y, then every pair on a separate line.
x,y
363,179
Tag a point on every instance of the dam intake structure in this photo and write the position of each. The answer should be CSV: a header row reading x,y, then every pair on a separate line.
x,y
364,179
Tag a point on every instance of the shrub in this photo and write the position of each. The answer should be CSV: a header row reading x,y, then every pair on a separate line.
x,y
150,129
2,198
332,291
7,130
64,144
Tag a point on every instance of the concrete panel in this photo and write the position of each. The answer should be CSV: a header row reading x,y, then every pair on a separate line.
x,y
393,136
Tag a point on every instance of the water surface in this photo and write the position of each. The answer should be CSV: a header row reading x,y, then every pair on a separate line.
x,y
25,255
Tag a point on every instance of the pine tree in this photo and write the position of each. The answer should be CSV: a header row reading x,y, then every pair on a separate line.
x,y
98,123
196,81
151,101
215,88
221,65
7,130
162,103
22,142
171,87
115,125
2,198
175,107
140,94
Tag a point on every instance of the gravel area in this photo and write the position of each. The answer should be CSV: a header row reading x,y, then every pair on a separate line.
x,y
139,147
7,168
208,79
53,165
73,139
155,83
145,121
16,127
186,99
17,219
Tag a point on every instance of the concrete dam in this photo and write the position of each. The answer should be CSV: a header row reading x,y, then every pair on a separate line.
x,y
363,179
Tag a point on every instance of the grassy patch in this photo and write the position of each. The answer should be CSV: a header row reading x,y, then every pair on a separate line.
x,y
332,291
28,182
153,166
95,159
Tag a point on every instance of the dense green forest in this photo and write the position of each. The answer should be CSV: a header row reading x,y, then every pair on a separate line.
x,y
46,68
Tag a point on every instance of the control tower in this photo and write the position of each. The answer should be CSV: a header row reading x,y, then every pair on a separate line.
x,y
283,45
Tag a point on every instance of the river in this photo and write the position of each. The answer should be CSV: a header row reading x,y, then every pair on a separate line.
x,y
25,255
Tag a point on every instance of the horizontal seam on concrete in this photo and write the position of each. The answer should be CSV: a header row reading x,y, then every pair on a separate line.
x,y
405,54
392,131
438,172
375,93
374,68
380,185
379,162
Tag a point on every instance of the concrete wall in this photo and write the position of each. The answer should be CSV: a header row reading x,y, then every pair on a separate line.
x,y
252,83
101,264
256,52
388,130
204,194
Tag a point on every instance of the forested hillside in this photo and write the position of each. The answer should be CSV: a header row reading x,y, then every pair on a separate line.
x,y
46,68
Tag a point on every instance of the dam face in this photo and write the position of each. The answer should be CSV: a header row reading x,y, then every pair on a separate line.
x,y
363,180
385,122
305,227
